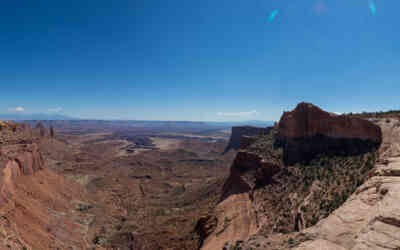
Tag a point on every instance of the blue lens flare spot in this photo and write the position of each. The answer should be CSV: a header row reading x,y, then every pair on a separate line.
x,y
372,7
272,15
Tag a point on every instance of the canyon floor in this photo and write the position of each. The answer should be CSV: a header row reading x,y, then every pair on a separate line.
x,y
147,197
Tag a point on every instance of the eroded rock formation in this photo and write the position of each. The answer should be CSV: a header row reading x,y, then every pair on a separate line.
x,y
36,207
308,131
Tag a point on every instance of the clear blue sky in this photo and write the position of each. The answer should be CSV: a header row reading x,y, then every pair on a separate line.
x,y
198,60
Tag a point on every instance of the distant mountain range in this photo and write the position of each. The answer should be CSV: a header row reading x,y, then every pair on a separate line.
x,y
138,123
254,123
19,116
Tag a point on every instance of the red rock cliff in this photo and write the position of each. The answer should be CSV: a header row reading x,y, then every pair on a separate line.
x,y
36,208
308,120
308,131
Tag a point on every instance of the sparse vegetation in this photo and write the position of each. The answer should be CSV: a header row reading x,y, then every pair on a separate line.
x,y
326,182
379,114
96,239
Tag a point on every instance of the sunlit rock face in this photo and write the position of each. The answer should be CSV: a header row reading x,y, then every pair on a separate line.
x,y
308,131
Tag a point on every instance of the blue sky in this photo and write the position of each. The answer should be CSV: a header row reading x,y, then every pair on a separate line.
x,y
198,60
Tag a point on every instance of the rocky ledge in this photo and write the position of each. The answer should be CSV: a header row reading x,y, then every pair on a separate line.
x,y
370,218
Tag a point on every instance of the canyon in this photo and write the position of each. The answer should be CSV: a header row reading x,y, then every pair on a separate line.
x,y
314,180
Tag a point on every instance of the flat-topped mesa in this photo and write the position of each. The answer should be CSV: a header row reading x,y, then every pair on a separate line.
x,y
240,131
308,131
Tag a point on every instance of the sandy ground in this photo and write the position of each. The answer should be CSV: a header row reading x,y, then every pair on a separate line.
x,y
165,144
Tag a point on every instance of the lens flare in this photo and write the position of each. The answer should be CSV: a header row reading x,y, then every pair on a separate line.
x,y
272,15
372,7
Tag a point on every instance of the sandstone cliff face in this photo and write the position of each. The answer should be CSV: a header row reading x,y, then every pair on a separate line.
x,y
27,156
239,132
35,203
308,131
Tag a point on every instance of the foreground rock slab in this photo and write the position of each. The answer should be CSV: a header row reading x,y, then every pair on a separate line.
x,y
370,219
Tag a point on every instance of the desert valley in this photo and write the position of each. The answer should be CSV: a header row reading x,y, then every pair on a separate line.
x,y
314,180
